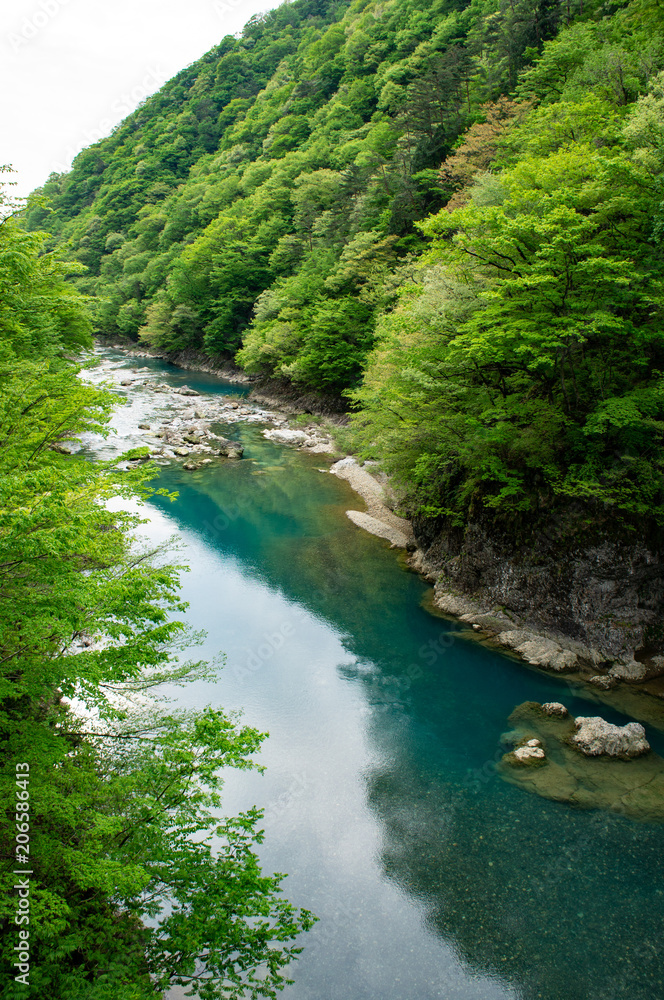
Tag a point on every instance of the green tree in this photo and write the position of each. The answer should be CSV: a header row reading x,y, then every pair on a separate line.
x,y
137,880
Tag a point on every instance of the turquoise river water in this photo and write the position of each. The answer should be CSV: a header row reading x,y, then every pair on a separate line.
x,y
432,878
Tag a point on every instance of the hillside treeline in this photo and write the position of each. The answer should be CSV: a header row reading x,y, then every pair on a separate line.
x,y
446,214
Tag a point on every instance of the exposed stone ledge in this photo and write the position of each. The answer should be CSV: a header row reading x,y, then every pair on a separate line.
x,y
374,526
538,645
378,519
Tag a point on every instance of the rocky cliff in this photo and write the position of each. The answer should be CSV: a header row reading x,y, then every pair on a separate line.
x,y
598,607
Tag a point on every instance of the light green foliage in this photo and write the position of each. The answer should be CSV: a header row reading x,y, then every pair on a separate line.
x,y
38,311
530,379
137,880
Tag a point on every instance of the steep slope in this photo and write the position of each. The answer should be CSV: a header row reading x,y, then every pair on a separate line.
x,y
517,387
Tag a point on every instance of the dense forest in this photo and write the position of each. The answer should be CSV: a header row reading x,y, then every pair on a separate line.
x,y
137,882
445,216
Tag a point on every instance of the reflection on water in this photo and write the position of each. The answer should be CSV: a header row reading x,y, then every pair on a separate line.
x,y
432,878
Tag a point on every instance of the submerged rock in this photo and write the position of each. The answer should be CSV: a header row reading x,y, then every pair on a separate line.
x,y
229,449
595,736
584,762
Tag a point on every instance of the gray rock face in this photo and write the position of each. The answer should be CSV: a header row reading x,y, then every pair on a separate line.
x,y
607,596
595,737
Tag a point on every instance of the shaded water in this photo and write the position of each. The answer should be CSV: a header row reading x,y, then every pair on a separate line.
x,y
431,877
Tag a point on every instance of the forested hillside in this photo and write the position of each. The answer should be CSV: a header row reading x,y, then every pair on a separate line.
x,y
448,214
268,191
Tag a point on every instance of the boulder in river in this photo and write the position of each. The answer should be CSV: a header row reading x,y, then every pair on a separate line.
x,y
610,767
528,754
555,708
286,436
230,449
603,681
595,736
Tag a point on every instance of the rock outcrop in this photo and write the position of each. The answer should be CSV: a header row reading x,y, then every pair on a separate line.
x,y
585,762
595,737
597,609
378,519
310,439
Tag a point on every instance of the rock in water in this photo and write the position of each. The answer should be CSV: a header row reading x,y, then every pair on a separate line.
x,y
595,737
526,754
231,449
286,436
616,773
603,681
555,708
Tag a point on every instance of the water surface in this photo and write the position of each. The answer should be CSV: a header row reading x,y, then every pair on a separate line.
x,y
431,877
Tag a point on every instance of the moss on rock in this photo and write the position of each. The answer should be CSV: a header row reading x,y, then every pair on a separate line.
x,y
633,787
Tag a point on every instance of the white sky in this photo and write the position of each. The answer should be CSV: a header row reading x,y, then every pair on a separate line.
x,y
72,69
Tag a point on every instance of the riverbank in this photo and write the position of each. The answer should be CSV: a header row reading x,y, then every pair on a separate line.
x,y
500,609
272,392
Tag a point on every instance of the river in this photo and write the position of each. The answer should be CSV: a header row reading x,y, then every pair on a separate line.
x,y
432,878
